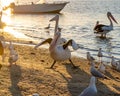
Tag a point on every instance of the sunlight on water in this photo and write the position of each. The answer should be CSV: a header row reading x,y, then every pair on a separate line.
x,y
6,17
15,34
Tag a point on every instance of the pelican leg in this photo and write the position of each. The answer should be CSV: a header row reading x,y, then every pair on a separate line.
x,y
53,64
72,63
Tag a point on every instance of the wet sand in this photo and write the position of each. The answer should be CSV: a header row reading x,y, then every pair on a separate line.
x,y
31,74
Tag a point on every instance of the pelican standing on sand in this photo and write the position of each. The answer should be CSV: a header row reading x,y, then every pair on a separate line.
x,y
60,52
104,29
91,90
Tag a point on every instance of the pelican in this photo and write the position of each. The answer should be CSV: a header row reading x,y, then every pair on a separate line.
x,y
2,24
91,90
60,52
100,55
95,72
89,57
104,29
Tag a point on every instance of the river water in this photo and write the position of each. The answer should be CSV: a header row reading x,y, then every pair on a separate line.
x,y
77,20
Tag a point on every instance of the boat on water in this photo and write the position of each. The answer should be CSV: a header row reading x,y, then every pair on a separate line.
x,y
54,7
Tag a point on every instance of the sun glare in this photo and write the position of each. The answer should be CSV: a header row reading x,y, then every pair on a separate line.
x,y
6,2
6,19
8,11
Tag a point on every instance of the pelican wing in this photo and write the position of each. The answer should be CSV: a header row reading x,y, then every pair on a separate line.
x,y
74,45
71,43
99,28
43,42
67,44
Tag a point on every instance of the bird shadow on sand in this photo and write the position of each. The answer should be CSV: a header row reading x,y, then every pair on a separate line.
x,y
15,75
116,78
74,85
80,80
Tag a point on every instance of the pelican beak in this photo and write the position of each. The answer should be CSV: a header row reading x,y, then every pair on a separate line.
x,y
113,19
43,42
54,18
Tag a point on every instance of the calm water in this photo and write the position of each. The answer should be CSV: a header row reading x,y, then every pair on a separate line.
x,y
77,20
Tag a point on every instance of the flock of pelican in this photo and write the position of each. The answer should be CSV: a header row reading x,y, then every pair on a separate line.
x,y
59,51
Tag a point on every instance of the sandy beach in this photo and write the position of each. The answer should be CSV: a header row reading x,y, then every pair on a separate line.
x,y
31,74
